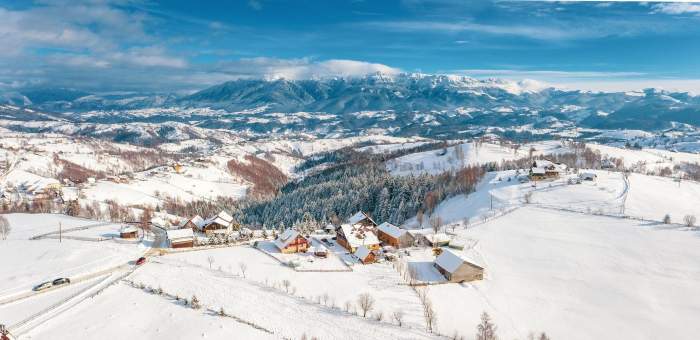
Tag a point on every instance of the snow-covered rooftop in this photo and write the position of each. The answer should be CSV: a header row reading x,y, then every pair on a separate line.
x,y
223,218
391,230
284,239
437,238
178,234
128,229
319,248
362,252
357,235
450,261
197,221
359,216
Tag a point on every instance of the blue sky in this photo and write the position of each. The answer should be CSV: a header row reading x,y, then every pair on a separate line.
x,y
122,45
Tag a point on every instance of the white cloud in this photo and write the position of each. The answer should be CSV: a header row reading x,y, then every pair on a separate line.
x,y
550,74
590,80
534,32
303,68
677,8
673,85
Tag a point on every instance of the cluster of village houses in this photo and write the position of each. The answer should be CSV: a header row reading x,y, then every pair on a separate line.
x,y
359,235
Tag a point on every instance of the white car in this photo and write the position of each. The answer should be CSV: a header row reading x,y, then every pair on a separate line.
x,y
42,286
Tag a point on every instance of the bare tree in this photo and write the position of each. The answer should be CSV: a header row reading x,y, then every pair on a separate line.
x,y
465,221
486,330
419,218
243,267
429,315
146,217
398,317
5,227
378,316
366,303
194,303
436,223
210,259
689,220
667,219
286,284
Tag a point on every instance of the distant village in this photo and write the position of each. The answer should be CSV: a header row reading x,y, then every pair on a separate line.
x,y
359,238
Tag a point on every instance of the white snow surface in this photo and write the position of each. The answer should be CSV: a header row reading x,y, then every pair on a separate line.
x,y
559,272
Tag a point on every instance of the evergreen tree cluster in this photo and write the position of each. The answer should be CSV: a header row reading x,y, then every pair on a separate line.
x,y
359,184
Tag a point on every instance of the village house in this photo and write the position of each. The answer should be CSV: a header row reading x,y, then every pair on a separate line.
x,y
195,223
362,219
351,237
365,255
458,267
291,241
394,236
221,223
180,238
128,231
433,239
544,169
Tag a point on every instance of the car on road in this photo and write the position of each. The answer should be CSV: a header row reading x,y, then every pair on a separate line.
x,y
140,261
61,281
42,286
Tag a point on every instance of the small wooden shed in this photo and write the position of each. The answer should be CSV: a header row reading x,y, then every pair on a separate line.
x,y
180,238
128,232
458,267
365,255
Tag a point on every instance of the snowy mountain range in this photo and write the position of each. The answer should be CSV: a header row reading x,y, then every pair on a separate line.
x,y
442,106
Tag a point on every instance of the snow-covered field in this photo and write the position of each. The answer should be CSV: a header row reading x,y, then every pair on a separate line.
x,y
578,276
261,297
571,258
26,263
652,197
124,312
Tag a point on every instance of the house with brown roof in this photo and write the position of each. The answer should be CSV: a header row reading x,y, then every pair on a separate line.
x,y
351,237
394,236
291,241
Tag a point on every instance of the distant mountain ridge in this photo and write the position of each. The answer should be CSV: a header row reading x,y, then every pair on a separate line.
x,y
408,102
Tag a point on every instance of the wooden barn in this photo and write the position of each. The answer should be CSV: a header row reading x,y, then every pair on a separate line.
x,y
180,238
221,223
129,232
365,255
291,241
352,236
394,236
457,267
